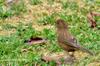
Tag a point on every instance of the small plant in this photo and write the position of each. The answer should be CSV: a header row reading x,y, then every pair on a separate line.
x,y
64,5
70,5
50,35
18,7
51,2
35,2
89,2
15,9
5,13
1,2
8,26
26,32
47,19
10,45
65,17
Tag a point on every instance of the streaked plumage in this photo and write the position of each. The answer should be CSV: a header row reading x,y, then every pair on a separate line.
x,y
66,40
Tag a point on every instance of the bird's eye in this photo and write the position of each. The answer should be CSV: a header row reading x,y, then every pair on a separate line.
x,y
57,22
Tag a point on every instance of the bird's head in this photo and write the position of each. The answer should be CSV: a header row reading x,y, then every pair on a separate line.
x,y
60,24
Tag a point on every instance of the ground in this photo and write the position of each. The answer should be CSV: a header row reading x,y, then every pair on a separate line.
x,y
22,19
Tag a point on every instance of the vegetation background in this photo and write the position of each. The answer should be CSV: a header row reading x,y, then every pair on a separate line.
x,y
21,19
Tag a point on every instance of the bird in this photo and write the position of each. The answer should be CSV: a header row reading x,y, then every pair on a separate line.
x,y
66,40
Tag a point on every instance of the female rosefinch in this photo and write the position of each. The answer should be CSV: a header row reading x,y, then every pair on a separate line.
x,y
66,40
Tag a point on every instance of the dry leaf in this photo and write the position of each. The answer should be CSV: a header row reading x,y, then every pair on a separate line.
x,y
57,57
35,40
95,13
91,20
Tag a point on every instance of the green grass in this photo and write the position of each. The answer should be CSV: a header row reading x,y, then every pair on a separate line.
x,y
11,10
4,13
70,5
47,19
19,8
35,2
12,46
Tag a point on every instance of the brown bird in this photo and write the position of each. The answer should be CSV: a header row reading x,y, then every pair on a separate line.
x,y
66,41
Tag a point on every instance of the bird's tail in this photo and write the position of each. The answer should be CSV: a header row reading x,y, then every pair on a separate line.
x,y
86,50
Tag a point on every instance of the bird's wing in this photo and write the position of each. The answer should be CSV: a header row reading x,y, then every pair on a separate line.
x,y
74,43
